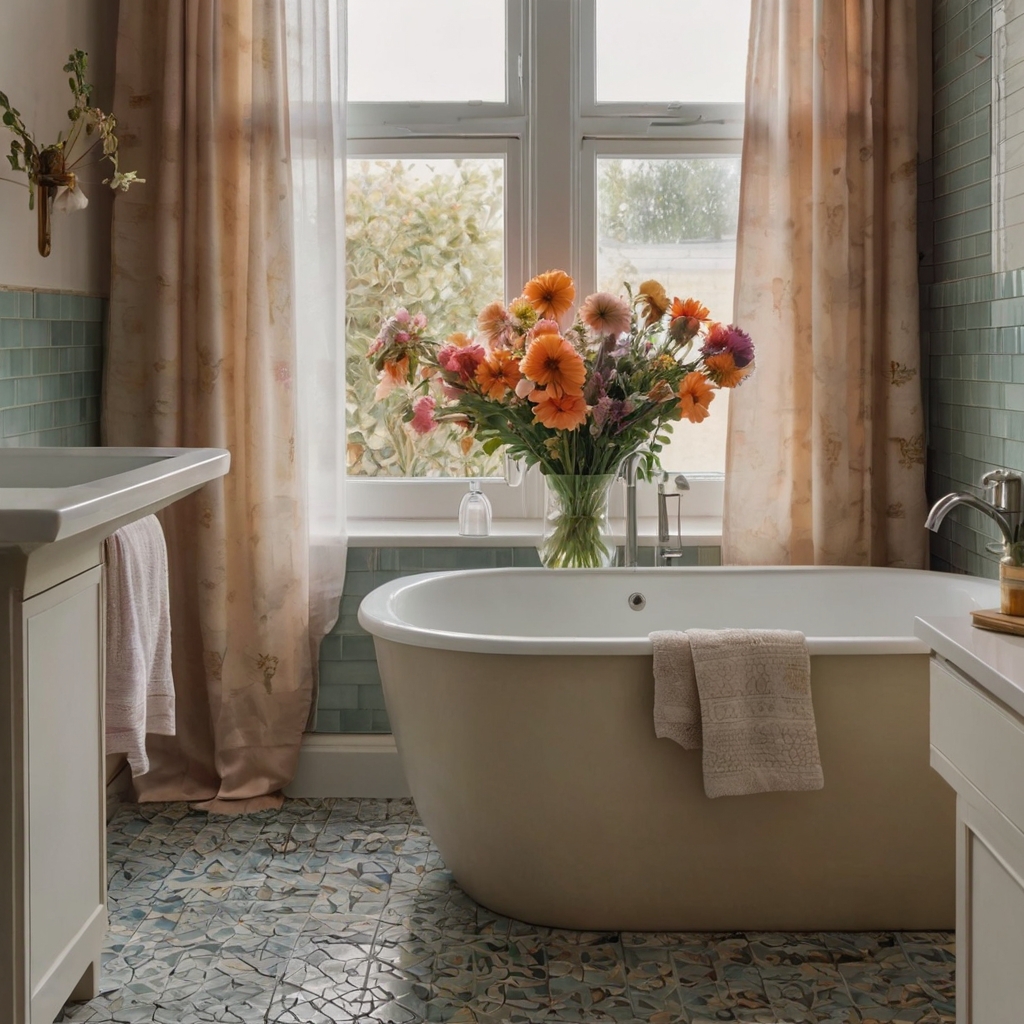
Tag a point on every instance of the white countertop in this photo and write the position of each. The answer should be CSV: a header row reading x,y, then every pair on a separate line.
x,y
697,531
995,661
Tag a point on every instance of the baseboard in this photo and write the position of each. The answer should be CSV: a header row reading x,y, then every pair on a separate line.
x,y
119,790
348,765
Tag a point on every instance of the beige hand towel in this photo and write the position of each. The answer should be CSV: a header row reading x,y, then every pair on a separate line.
x,y
756,718
139,686
676,701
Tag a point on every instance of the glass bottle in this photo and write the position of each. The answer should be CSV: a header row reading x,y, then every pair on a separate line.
x,y
474,512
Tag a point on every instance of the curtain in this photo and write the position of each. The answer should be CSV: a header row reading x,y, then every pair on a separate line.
x,y
225,318
825,461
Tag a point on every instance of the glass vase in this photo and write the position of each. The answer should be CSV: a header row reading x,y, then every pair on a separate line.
x,y
577,534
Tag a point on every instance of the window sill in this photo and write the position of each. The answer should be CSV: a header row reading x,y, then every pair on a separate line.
x,y
697,531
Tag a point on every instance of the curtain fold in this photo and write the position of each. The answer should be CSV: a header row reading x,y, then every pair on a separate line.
x,y
825,461
206,348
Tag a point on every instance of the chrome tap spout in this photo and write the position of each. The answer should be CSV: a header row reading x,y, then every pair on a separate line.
x,y
945,505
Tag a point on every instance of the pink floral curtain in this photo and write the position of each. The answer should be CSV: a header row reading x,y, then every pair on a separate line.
x,y
826,446
205,350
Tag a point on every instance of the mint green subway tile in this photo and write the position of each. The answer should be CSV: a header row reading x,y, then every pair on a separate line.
x,y
92,308
379,722
709,556
9,305
332,673
26,305
358,648
35,333
7,393
27,391
360,559
16,421
11,333
355,720
359,673
331,648
77,332
42,416
72,307
458,558
328,721
387,559
371,697
358,584
527,558
339,698
47,306
410,558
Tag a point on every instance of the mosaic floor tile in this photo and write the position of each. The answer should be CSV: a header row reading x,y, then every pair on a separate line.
x,y
342,912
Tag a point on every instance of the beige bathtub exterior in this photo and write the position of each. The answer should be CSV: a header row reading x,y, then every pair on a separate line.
x,y
551,800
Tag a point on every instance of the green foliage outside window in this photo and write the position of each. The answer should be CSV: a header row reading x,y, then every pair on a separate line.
x,y
427,235
668,201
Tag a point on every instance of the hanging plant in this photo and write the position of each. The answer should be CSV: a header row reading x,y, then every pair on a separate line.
x,y
51,170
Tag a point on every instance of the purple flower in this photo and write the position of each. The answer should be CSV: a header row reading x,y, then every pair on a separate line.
x,y
730,339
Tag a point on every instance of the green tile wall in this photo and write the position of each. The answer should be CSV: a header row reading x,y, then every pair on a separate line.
x,y
50,354
351,699
972,319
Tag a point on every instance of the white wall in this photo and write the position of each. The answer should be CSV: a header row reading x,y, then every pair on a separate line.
x,y
35,40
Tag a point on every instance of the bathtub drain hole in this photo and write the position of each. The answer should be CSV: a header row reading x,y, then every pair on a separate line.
x,y
637,601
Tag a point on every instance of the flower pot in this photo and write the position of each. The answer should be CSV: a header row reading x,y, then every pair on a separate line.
x,y
1011,589
577,534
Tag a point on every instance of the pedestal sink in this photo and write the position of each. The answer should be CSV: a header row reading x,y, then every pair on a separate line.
x,y
56,507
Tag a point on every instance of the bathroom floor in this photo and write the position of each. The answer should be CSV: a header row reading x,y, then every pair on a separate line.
x,y
341,910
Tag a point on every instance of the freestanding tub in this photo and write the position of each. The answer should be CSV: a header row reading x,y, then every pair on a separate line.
x,y
522,701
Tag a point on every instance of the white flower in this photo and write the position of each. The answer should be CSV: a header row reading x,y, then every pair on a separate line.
x,y
524,387
122,179
71,200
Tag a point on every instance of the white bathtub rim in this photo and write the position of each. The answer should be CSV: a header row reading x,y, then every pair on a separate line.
x,y
378,617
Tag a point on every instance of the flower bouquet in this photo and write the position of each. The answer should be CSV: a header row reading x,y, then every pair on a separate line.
x,y
576,395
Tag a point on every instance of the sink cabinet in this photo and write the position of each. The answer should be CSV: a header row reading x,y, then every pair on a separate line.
x,y
52,802
977,745
56,508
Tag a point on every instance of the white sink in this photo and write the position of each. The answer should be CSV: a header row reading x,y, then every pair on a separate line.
x,y
50,494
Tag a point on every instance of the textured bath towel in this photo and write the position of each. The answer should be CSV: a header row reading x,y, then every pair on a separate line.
x,y
676,701
756,716
139,686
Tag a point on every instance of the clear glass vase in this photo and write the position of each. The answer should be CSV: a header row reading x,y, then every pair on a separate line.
x,y
577,534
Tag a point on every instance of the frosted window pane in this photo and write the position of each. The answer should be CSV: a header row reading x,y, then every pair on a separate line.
x,y
427,234
665,51
441,51
674,220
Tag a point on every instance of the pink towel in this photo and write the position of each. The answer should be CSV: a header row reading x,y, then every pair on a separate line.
x,y
139,686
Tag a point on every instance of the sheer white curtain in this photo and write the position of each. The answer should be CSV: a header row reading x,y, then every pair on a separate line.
x,y
315,42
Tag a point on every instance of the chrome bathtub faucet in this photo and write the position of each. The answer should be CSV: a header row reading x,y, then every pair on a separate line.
x,y
1004,506
670,548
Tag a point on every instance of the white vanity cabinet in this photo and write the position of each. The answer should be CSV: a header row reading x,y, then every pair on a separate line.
x,y
977,745
52,780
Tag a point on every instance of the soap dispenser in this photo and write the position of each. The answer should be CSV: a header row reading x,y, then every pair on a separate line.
x,y
475,513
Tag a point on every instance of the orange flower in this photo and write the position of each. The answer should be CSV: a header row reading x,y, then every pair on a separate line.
x,y
459,340
495,323
550,293
695,395
559,412
690,307
393,374
653,301
722,369
498,373
552,362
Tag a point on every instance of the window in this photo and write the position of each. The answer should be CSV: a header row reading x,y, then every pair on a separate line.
x,y
537,135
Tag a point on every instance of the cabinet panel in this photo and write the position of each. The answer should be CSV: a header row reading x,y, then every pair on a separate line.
x,y
63,691
997,938
983,739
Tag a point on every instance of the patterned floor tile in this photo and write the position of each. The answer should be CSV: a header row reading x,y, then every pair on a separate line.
x,y
339,911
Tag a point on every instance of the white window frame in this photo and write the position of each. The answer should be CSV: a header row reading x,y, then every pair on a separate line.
x,y
551,148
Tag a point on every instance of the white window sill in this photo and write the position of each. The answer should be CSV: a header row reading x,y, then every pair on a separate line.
x,y
697,531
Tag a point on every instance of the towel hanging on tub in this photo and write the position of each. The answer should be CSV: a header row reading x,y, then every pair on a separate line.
x,y
744,695
139,685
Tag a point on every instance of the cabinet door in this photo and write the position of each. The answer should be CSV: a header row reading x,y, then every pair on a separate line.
x,y
64,779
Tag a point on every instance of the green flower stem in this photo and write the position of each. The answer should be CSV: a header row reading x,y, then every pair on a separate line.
x,y
577,526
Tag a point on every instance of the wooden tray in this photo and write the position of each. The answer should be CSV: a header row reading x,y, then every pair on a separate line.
x,y
996,621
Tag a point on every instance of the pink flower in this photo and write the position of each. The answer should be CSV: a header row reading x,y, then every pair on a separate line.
x,y
605,313
401,315
545,327
462,361
423,421
729,339
419,322
525,387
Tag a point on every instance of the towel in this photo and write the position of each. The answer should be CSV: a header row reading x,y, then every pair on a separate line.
x,y
755,720
139,686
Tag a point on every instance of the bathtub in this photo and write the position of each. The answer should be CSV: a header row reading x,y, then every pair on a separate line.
x,y
522,699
